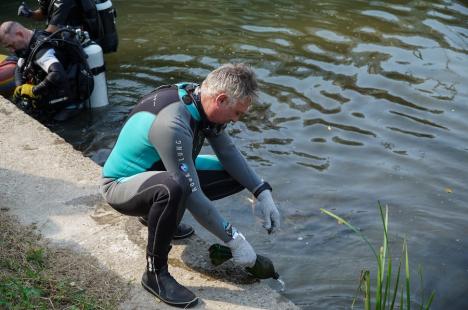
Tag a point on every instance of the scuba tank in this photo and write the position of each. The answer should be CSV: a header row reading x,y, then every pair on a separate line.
x,y
95,61
263,268
107,14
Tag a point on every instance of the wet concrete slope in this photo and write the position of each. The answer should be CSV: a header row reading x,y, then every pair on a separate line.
x,y
43,180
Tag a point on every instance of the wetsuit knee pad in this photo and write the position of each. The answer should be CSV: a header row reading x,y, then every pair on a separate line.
x,y
178,184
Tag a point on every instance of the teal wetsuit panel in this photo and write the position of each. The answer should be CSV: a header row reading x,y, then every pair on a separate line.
x,y
191,107
133,153
208,162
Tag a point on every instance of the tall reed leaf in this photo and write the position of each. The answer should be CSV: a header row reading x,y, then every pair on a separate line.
x,y
341,220
407,271
384,297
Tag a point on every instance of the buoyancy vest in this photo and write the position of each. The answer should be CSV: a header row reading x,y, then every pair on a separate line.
x,y
70,54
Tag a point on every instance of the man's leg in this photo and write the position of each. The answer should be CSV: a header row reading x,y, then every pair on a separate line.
x,y
161,196
215,182
182,231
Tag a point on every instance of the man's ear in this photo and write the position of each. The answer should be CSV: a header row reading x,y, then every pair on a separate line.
x,y
19,34
221,99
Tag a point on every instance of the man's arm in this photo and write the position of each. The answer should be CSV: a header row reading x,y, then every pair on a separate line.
x,y
56,76
38,14
233,161
173,140
236,165
60,14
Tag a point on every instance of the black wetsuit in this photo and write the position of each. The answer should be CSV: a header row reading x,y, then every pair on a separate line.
x,y
158,145
62,12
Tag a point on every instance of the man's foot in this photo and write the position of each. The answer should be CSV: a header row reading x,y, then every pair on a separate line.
x,y
165,287
182,231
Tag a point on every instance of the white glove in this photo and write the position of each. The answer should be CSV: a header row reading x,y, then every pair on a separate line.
x,y
271,217
242,252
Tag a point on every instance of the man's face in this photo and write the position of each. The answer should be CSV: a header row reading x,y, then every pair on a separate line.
x,y
224,112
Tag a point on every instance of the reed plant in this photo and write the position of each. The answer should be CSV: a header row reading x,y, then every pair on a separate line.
x,y
387,283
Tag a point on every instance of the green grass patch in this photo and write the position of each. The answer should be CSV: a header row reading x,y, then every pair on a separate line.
x,y
35,275
387,284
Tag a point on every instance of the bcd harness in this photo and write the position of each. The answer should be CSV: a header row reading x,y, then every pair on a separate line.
x,y
73,59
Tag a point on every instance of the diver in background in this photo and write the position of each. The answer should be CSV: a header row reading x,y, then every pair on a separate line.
x,y
60,13
48,77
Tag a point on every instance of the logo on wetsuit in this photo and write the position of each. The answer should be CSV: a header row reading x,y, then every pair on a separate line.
x,y
183,166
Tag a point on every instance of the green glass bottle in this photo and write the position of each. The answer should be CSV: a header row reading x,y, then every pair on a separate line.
x,y
263,268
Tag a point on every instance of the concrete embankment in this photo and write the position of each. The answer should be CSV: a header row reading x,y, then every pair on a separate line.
x,y
43,180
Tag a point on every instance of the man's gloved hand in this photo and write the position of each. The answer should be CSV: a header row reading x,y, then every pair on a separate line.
x,y
24,10
25,90
266,205
242,252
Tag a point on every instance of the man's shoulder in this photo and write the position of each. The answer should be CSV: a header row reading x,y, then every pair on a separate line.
x,y
158,99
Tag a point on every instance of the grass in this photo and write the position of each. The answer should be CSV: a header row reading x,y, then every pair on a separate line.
x,y
34,275
385,293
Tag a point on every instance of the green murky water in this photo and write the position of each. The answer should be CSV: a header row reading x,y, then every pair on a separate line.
x,y
367,100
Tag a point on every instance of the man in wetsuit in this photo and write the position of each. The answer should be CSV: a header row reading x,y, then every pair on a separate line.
x,y
43,80
155,169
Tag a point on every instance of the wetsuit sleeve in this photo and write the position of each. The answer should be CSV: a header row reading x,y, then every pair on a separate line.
x,y
19,72
61,12
45,58
233,161
172,137
56,76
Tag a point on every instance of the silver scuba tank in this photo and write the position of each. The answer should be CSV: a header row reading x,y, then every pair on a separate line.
x,y
95,61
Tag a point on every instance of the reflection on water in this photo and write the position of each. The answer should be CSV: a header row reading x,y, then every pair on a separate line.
x,y
360,101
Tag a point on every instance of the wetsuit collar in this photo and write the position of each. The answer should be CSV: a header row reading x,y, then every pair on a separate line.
x,y
209,128
197,100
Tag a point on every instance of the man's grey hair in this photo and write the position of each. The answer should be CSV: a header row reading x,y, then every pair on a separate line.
x,y
236,80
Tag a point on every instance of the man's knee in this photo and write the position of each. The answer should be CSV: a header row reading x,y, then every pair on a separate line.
x,y
178,185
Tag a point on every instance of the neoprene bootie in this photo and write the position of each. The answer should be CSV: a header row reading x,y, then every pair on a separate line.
x,y
263,268
158,281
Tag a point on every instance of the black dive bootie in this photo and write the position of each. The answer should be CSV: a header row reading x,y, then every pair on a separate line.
x,y
159,282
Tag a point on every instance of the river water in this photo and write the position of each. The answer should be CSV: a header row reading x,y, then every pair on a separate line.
x,y
360,102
